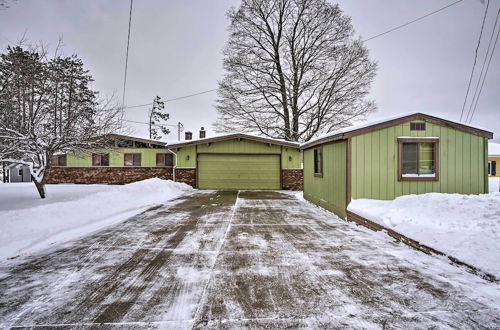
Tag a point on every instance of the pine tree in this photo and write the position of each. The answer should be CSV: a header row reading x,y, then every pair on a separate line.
x,y
156,117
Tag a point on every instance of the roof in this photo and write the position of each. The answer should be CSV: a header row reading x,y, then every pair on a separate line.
x,y
351,131
161,143
233,136
494,149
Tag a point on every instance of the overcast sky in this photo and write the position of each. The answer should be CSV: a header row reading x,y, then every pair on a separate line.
x,y
176,48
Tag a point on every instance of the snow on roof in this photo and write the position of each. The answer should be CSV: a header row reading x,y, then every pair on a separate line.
x,y
494,149
232,135
380,121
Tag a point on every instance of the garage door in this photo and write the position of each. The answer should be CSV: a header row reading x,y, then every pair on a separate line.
x,y
233,171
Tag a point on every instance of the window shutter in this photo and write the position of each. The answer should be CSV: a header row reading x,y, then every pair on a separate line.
x,y
494,168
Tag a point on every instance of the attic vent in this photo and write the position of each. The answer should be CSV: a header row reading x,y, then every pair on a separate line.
x,y
417,126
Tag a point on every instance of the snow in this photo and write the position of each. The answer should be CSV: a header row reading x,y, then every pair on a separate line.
x,y
29,224
493,184
249,135
375,122
419,137
466,227
493,149
433,175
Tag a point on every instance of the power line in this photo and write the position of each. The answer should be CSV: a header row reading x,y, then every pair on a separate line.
x,y
482,68
143,122
484,78
174,99
475,59
126,56
413,21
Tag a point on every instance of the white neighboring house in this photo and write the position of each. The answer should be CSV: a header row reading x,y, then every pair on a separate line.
x,y
18,173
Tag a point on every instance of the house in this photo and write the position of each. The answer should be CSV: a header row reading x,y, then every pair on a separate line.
x,y
493,159
128,159
18,173
409,154
238,161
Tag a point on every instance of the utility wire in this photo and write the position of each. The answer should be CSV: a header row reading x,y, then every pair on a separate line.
x,y
475,59
413,21
126,56
484,78
174,99
482,68
142,122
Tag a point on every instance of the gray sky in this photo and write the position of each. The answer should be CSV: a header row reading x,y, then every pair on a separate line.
x,y
176,47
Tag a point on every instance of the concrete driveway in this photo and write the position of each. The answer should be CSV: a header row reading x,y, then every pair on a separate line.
x,y
241,259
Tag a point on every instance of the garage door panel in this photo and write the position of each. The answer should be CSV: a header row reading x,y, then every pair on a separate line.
x,y
236,171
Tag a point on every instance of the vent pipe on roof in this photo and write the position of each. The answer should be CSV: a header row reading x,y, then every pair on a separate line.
x,y
188,136
203,133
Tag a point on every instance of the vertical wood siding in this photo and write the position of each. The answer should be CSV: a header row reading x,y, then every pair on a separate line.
x,y
374,163
330,190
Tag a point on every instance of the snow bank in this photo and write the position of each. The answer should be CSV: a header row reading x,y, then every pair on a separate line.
x,y
86,208
493,184
466,227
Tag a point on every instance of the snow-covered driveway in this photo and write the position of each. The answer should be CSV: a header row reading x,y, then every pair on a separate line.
x,y
247,259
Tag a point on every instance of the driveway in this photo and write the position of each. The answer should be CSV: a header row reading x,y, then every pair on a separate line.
x,y
241,259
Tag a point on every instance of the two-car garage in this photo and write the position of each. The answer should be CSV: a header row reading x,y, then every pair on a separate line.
x,y
239,161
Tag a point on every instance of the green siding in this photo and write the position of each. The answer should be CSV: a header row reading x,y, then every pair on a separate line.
x,y
296,158
227,171
330,190
116,157
374,163
186,156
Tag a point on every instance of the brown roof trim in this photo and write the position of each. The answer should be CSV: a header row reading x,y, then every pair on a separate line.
x,y
397,121
234,136
156,142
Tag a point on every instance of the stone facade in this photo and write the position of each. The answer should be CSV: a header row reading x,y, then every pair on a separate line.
x,y
186,175
292,179
108,175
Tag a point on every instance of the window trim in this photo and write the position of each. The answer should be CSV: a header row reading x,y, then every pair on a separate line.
x,y
319,174
100,159
491,164
133,154
400,159
418,126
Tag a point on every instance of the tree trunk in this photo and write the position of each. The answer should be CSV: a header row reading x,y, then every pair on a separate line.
x,y
40,186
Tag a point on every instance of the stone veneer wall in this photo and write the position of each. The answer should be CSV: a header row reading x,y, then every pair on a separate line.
x,y
292,179
108,175
186,175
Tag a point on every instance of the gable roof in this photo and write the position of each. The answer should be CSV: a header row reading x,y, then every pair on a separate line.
x,y
494,149
233,136
351,131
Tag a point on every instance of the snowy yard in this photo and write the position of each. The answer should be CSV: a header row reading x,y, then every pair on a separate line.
x,y
466,227
494,184
241,260
29,223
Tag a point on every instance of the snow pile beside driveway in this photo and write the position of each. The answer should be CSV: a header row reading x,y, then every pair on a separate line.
x,y
494,184
29,229
466,227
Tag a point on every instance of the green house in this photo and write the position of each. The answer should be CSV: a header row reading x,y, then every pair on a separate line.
x,y
127,159
411,154
238,161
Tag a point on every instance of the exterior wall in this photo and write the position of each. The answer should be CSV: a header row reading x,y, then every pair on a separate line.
x,y
495,159
15,177
116,157
186,157
462,166
108,175
330,190
291,158
186,175
292,179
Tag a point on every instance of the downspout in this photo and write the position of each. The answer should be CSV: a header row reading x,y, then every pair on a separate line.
x,y
175,166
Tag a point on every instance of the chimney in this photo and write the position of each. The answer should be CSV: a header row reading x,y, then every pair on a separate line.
x,y
188,135
203,133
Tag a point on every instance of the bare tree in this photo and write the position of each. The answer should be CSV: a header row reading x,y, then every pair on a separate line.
x,y
293,70
47,108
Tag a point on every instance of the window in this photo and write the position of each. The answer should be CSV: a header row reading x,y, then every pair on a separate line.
x,y
20,171
318,162
132,159
165,159
417,126
100,159
418,159
492,168
58,160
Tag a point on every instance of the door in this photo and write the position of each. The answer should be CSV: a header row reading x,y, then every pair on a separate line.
x,y
236,171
